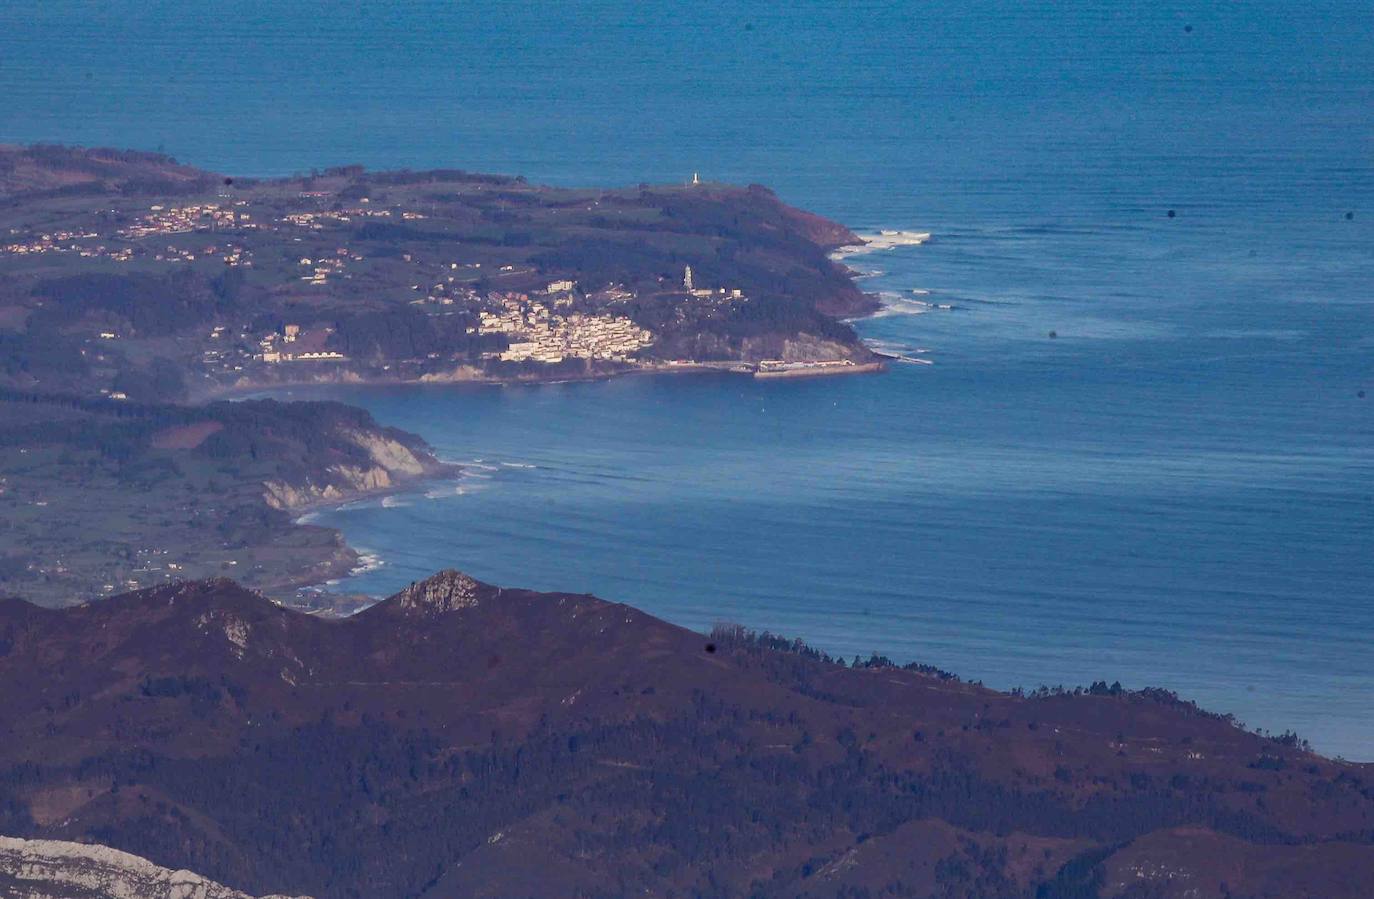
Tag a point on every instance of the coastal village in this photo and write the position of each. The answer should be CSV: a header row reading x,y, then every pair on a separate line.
x,y
150,298
538,331
315,255
546,328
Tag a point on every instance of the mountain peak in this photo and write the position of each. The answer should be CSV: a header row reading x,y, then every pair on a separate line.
x,y
447,591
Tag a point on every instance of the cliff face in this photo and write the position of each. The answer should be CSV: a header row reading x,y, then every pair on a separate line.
x,y
55,869
805,348
393,463
390,453
460,739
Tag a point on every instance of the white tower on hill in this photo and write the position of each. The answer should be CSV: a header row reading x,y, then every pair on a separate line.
x,y
687,277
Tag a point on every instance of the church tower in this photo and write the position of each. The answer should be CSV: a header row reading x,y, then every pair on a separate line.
x,y
687,277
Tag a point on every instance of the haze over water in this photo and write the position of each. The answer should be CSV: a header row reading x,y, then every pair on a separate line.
x,y
1176,490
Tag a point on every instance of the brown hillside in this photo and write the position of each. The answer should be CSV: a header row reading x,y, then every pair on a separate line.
x,y
461,739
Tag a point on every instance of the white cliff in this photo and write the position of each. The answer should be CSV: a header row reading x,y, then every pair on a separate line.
x,y
392,461
54,869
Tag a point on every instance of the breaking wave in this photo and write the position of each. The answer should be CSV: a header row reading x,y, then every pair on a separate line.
x,y
882,240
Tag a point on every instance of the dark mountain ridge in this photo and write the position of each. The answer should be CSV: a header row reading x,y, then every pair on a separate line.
x,y
463,739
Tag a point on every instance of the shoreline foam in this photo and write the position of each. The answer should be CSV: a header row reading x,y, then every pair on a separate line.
x,y
883,240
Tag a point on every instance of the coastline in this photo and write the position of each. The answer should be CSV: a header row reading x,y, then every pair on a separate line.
x,y
342,567
345,561
347,565
823,368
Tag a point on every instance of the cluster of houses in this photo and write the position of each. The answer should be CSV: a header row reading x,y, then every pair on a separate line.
x,y
316,221
324,266
295,345
160,220
184,219
447,291
232,255
446,294
62,242
152,572
551,325
536,332
55,242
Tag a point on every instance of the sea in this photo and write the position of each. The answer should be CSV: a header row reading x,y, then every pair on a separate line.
x,y
1143,447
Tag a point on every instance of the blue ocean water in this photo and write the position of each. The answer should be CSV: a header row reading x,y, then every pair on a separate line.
x,y
1176,490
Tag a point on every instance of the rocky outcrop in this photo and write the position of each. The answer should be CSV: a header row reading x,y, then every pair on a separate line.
x,y
53,869
446,591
